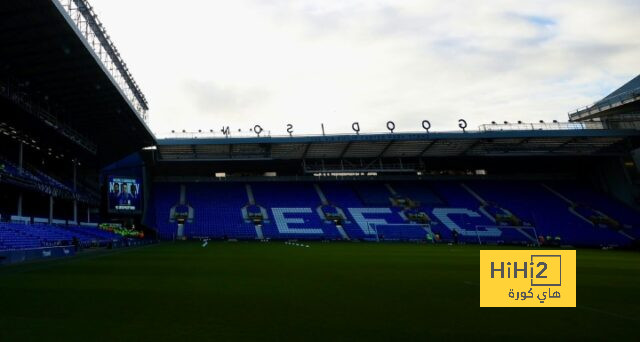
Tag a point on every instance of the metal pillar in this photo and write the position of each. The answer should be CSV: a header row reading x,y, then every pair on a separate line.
x,y
75,190
50,209
20,155
20,204
20,162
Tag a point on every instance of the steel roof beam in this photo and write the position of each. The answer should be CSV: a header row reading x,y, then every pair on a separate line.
x,y
306,150
431,143
559,147
470,147
384,150
345,150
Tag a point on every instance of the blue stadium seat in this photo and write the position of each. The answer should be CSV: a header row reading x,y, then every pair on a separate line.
x,y
295,211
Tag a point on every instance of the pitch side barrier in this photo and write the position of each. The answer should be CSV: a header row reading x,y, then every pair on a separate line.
x,y
22,255
131,243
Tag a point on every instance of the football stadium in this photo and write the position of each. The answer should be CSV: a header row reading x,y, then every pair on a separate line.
x,y
110,232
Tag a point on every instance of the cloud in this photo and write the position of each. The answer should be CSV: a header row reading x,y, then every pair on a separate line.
x,y
338,61
211,98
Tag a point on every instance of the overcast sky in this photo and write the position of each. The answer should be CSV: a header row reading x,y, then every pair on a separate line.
x,y
207,63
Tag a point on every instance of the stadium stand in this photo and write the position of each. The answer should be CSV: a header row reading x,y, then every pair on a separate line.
x,y
67,114
59,148
295,211
31,174
26,236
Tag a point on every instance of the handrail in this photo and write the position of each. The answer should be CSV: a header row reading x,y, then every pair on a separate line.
x,y
607,102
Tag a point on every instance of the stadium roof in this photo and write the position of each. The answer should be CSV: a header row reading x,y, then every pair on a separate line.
x,y
625,100
586,142
52,70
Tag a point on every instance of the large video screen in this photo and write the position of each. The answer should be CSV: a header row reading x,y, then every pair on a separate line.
x,y
125,194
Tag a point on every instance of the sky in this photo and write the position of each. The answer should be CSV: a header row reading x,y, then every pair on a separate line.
x,y
206,64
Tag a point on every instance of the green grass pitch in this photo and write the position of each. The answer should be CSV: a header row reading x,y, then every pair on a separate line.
x,y
328,292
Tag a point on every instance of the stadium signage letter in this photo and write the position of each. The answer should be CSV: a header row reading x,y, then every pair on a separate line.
x,y
443,215
391,126
356,127
365,223
283,222
426,125
226,131
462,123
